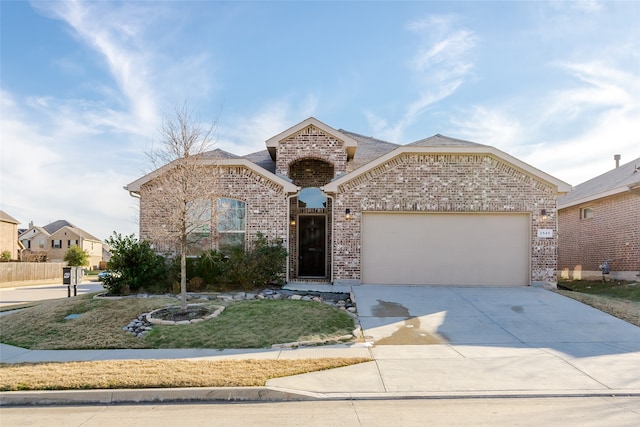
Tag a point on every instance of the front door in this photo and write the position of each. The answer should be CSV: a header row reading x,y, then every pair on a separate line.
x,y
312,246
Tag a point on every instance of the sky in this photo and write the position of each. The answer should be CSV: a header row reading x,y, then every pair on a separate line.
x,y
85,86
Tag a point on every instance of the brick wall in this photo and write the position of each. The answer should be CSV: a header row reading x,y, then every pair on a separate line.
x,y
311,143
444,183
266,204
613,234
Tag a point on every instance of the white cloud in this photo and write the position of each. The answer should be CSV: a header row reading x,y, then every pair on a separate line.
x,y
244,135
438,68
572,132
116,32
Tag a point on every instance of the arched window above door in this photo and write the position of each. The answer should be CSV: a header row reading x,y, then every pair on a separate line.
x,y
312,197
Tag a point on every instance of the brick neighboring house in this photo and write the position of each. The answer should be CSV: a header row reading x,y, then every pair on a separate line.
x,y
600,221
9,235
355,209
56,238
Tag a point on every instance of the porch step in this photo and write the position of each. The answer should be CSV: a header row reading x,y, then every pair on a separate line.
x,y
317,287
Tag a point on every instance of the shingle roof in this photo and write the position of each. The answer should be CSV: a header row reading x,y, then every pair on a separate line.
x,y
615,181
57,225
368,149
444,141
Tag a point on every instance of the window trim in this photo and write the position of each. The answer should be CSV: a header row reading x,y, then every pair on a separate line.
x,y
588,212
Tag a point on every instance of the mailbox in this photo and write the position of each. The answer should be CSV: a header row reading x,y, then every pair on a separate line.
x,y
66,275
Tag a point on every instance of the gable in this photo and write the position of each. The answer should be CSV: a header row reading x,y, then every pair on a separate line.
x,y
308,126
421,154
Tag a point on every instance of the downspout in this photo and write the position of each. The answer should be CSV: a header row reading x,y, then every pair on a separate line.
x,y
134,194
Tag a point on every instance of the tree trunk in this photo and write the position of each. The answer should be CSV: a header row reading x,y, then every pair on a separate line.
x,y
183,277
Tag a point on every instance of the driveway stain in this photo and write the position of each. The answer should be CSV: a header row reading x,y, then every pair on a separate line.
x,y
411,334
389,309
517,309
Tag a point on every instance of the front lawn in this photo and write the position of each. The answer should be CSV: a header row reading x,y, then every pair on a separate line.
x,y
617,297
243,324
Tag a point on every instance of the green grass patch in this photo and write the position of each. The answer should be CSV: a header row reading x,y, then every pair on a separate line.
x,y
246,324
623,289
257,324
43,327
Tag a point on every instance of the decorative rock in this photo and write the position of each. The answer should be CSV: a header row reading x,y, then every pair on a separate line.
x,y
296,297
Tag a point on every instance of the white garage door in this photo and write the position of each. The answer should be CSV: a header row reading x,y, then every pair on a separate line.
x,y
445,249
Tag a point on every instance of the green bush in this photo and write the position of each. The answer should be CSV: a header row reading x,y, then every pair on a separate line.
x,y
134,266
234,267
76,257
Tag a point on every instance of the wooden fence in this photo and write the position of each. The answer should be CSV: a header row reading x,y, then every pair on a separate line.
x,y
30,271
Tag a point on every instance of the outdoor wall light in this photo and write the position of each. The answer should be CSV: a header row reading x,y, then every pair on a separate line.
x,y
347,213
292,221
543,212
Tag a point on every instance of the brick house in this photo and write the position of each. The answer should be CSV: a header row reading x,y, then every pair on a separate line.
x,y
599,220
355,209
9,235
53,240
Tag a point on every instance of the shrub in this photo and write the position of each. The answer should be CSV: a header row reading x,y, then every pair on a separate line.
x,y
134,265
257,267
76,257
6,256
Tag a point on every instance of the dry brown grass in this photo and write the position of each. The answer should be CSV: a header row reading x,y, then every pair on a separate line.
x,y
628,311
158,373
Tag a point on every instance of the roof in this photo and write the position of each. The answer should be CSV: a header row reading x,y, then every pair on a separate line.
x,y
5,217
444,141
616,181
61,223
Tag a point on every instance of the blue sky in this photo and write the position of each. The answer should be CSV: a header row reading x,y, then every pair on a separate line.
x,y
85,85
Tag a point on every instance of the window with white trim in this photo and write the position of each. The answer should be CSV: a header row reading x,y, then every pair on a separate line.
x,y
586,213
56,244
232,224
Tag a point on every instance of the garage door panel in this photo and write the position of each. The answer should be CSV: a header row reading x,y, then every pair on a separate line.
x,y
445,249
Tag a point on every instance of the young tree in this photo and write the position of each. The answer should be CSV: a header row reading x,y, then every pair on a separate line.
x,y
76,257
186,182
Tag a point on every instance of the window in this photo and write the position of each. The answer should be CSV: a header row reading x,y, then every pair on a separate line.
x,y
56,244
586,213
72,243
199,218
312,197
231,223
41,244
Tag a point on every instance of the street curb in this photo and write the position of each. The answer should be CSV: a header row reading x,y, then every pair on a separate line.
x,y
267,394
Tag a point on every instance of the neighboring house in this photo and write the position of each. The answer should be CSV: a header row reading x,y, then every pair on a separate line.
x,y
600,221
9,235
53,240
354,209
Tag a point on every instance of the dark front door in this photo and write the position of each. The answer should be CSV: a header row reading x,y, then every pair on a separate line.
x,y
311,246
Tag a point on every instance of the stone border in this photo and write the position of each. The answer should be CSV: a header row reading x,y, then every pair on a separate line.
x,y
149,316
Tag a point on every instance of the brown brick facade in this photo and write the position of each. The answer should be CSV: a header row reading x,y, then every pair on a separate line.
x,y
311,143
266,204
444,183
612,234
411,179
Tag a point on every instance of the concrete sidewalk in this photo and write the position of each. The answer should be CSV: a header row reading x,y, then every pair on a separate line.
x,y
492,342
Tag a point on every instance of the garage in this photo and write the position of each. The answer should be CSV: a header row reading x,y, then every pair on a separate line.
x,y
464,249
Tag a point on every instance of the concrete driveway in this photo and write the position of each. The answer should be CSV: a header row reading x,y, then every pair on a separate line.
x,y
436,341
482,316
